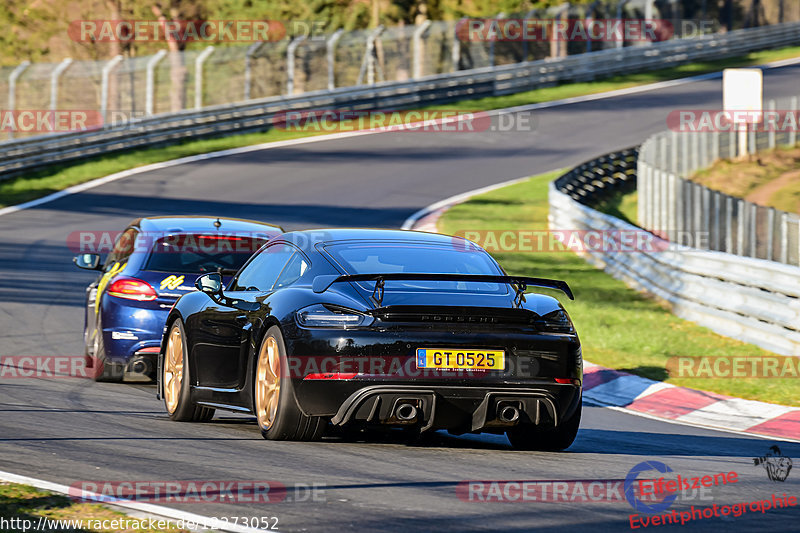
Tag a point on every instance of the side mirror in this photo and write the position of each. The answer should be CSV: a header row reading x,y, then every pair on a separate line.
x,y
210,283
87,261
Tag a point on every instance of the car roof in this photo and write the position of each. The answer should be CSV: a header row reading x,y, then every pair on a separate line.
x,y
306,239
191,224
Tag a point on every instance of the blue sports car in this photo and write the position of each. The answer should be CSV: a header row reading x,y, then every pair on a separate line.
x,y
153,262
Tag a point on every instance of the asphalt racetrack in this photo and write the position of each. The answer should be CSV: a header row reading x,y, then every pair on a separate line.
x,y
68,430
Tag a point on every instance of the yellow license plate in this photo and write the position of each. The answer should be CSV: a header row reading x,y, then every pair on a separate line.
x,y
477,359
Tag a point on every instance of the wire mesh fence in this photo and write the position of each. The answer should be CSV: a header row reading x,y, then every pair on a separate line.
x,y
130,87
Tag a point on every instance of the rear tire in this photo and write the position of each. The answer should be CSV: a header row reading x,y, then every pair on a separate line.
x,y
278,415
176,381
561,437
102,370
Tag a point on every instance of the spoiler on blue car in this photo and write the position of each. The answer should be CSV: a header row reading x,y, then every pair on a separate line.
x,y
521,283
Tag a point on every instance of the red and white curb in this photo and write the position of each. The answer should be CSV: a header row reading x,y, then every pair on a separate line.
x,y
646,397
639,395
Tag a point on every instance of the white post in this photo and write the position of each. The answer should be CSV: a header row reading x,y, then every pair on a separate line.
x,y
419,33
330,52
248,67
290,50
106,74
12,89
149,102
198,76
57,72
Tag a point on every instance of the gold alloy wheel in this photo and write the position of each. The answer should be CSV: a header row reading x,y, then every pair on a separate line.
x,y
173,369
268,383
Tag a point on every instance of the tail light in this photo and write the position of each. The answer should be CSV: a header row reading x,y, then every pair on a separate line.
x,y
132,289
568,381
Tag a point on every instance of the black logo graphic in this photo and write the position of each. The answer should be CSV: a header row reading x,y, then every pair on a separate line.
x,y
776,464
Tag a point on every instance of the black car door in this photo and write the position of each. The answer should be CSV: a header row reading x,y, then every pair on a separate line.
x,y
221,356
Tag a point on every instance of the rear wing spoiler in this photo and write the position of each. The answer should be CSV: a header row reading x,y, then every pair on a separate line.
x,y
521,283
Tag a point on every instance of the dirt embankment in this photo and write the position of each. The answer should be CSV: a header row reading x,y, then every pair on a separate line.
x,y
769,178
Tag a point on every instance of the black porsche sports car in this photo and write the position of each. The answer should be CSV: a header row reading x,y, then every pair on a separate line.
x,y
350,327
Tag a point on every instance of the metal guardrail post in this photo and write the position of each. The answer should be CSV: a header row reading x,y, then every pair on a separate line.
x,y
106,74
149,101
419,33
12,89
784,238
290,65
557,12
330,53
752,227
770,232
372,66
198,76
248,67
525,46
772,125
455,51
492,42
618,37
728,224
54,76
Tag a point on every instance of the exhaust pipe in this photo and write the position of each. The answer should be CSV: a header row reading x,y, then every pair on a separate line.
x,y
406,412
508,414
140,365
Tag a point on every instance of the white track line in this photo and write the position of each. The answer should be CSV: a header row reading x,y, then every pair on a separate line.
x,y
147,509
348,134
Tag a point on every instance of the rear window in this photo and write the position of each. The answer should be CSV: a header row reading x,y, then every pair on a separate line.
x,y
196,253
385,258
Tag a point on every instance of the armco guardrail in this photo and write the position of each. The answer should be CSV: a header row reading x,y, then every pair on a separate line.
x,y
689,213
753,300
20,156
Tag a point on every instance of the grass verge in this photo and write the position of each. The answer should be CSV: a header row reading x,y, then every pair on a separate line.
x,y
23,507
56,178
619,327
